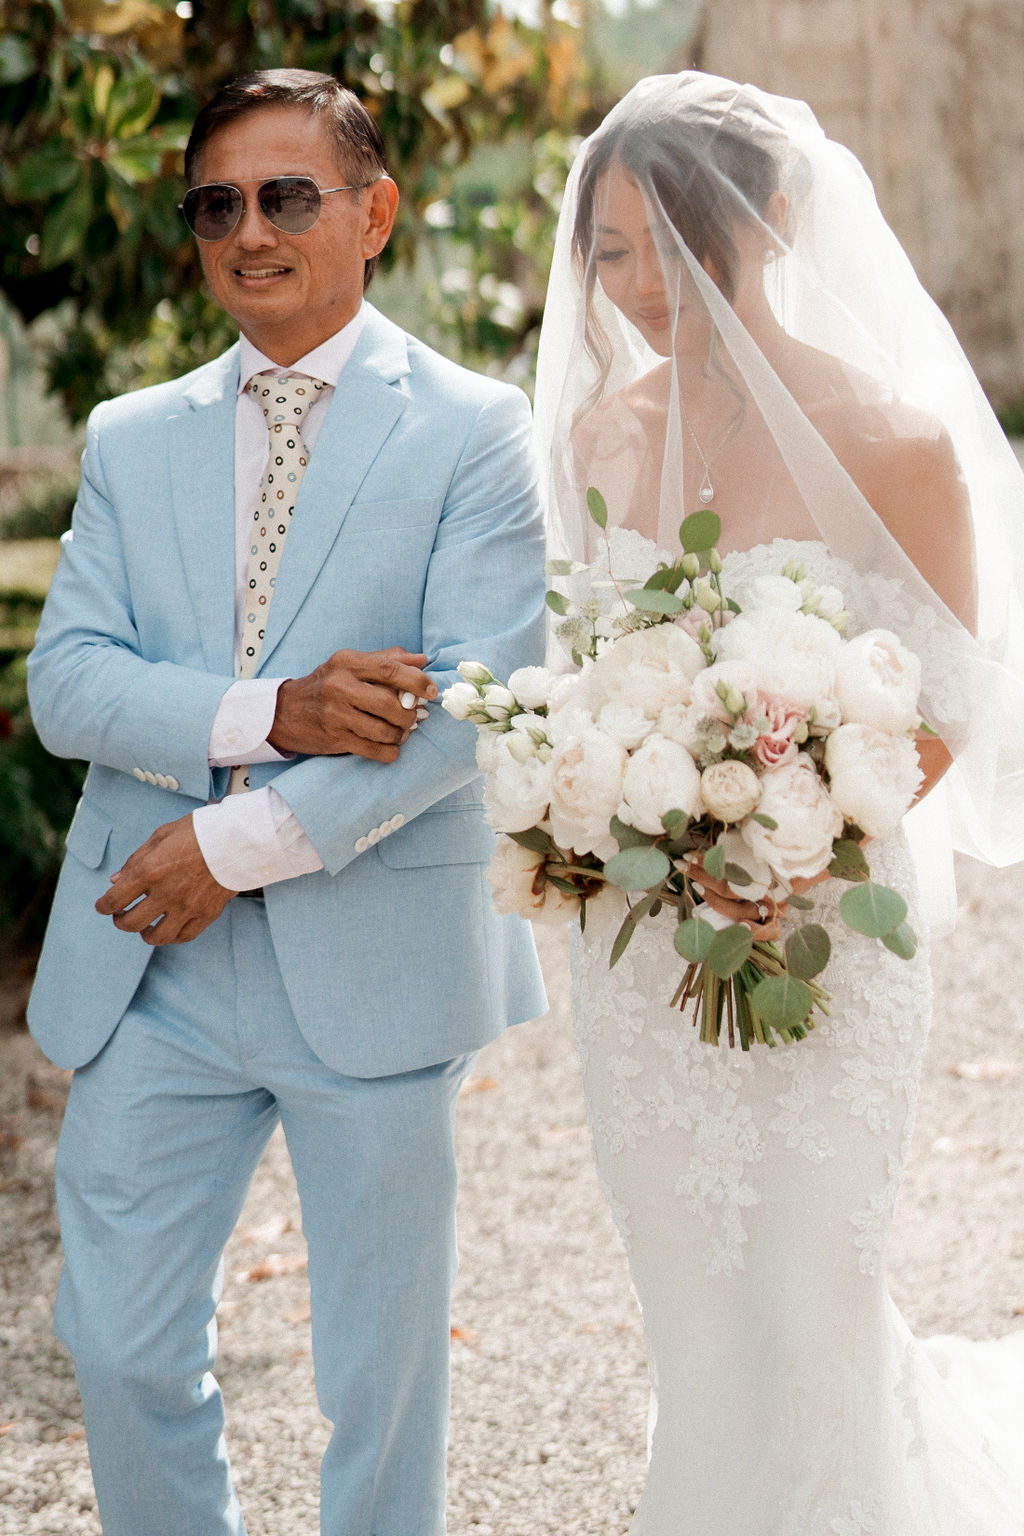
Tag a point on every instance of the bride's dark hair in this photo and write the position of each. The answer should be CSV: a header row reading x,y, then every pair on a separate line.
x,y
707,180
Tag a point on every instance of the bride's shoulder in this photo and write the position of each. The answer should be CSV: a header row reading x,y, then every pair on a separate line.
x,y
640,404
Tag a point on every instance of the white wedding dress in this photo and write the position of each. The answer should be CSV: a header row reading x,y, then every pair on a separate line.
x,y
754,1193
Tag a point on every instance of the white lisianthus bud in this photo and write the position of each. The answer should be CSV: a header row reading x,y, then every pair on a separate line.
x,y
731,697
729,790
707,596
475,672
691,567
499,702
714,561
531,686
459,699
520,746
527,721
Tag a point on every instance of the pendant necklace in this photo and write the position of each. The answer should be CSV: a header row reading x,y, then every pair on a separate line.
x,y
706,492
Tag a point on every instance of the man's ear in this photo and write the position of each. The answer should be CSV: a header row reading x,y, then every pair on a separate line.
x,y
380,204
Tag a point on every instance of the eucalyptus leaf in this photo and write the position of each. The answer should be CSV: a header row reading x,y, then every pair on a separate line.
x,y
634,915
675,822
534,839
802,903
902,941
848,861
737,875
807,951
764,821
637,869
597,507
873,910
782,1001
693,939
565,886
728,950
627,836
557,603
714,862
700,531
650,600
562,567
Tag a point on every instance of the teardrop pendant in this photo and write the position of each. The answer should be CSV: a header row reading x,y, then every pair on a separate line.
x,y
707,490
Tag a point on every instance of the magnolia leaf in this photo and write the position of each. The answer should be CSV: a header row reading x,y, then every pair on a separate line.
x,y
16,61
872,909
848,861
533,839
66,225
650,600
627,836
807,951
728,950
902,941
637,869
700,531
764,821
693,938
782,1001
557,603
737,875
714,863
49,171
597,506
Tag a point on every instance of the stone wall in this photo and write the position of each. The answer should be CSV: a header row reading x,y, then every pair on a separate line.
x,y
929,94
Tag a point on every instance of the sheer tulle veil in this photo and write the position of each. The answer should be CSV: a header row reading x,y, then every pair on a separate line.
x,y
786,357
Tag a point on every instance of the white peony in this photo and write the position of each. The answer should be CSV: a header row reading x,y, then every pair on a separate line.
x,y
531,686
573,720
808,821
775,592
878,681
650,668
516,793
489,748
624,723
660,776
514,875
586,783
873,776
793,654
729,790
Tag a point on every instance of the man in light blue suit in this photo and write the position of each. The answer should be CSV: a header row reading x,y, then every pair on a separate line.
x,y
319,948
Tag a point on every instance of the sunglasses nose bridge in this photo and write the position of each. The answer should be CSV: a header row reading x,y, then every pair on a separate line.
x,y
254,225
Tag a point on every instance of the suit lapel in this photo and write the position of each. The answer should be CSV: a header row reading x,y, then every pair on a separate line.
x,y
202,447
362,414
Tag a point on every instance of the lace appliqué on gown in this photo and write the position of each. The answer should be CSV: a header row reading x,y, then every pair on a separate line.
x,y
754,1192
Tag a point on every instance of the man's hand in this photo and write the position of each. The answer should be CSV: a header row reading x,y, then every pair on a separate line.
x,y
165,892
363,702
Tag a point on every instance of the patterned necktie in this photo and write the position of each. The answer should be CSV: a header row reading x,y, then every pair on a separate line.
x,y
284,402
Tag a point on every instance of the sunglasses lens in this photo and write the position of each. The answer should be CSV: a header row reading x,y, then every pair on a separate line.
x,y
291,203
212,212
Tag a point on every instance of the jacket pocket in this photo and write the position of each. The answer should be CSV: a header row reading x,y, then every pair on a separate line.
x,y
439,837
88,835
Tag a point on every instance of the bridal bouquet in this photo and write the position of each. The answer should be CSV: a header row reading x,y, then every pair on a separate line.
x,y
695,746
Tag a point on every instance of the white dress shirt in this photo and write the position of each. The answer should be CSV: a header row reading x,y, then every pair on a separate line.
x,y
253,839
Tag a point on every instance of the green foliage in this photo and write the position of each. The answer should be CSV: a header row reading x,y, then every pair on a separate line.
x,y
96,98
37,800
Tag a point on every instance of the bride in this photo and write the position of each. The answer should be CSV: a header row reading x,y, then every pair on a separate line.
x,y
730,321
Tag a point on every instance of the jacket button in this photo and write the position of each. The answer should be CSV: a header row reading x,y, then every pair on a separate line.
x,y
361,844
172,782
397,820
373,836
140,775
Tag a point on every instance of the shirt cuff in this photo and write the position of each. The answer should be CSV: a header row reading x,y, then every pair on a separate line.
x,y
253,839
244,720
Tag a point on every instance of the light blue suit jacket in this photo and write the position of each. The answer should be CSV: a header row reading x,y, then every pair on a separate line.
x,y
417,524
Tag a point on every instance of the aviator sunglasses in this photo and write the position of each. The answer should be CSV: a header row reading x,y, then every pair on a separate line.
x,y
291,203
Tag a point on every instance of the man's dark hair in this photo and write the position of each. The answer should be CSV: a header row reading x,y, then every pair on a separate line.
x,y
359,146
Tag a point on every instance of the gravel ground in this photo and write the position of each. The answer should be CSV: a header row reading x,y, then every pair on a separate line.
x,y
549,1391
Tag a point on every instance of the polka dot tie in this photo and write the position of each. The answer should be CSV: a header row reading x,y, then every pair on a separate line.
x,y
284,402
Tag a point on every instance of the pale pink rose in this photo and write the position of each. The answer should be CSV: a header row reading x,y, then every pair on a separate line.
x,y
873,777
586,783
776,745
808,821
660,776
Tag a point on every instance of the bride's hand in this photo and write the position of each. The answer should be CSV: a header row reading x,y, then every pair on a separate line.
x,y
763,918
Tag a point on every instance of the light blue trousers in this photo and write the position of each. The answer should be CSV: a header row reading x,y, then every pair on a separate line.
x,y
163,1132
